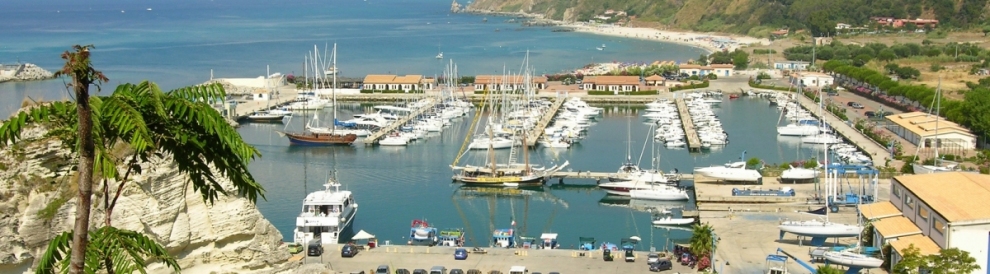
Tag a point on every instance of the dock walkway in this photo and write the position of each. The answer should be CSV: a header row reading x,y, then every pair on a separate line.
x,y
876,152
245,108
537,131
694,143
597,175
373,138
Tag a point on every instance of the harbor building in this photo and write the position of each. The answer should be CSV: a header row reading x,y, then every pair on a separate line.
x,y
811,79
655,80
611,83
927,130
406,83
718,69
507,83
791,65
933,212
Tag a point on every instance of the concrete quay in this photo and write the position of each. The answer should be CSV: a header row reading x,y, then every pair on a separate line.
x,y
284,95
500,259
878,153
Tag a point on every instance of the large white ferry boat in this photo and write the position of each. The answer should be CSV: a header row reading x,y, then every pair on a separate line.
x,y
325,215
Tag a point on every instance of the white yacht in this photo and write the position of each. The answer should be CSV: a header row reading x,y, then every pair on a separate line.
x,y
660,193
735,172
325,214
798,174
797,130
846,258
484,142
823,138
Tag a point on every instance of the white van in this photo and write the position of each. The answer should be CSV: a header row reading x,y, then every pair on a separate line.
x,y
518,270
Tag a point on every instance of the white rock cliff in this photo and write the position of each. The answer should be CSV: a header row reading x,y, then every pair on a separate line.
x,y
230,236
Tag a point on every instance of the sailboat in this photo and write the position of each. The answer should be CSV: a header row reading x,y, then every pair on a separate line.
x,y
935,167
851,258
509,173
822,228
312,138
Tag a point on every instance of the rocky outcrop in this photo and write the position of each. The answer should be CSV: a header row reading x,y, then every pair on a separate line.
x,y
23,72
455,7
230,236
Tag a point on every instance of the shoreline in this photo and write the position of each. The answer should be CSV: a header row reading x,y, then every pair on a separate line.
x,y
710,42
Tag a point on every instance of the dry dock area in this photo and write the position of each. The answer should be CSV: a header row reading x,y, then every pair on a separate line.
x,y
566,261
245,108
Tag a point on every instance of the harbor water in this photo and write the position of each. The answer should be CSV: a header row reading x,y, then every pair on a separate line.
x,y
394,185
180,43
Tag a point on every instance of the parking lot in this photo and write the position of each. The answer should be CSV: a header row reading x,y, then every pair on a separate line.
x,y
495,259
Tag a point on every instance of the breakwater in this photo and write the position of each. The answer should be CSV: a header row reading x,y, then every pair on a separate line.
x,y
23,72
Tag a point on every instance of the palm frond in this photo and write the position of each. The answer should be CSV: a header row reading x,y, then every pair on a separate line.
x,y
124,250
54,112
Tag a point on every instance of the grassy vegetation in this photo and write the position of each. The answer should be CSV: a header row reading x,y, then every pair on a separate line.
x,y
690,86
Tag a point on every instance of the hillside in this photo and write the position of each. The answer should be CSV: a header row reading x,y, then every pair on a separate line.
x,y
751,17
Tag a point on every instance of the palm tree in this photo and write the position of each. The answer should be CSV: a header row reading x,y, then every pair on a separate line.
x,y
702,239
145,123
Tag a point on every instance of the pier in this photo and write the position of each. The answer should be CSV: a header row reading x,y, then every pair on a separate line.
x,y
245,108
598,175
537,131
877,153
373,138
694,143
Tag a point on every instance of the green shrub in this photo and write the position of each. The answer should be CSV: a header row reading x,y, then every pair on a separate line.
x,y
691,86
753,84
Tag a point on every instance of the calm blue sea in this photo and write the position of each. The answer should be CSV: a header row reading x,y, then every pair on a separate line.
x,y
178,43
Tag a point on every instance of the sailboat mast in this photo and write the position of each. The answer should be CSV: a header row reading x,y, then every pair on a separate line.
x,y
525,154
491,149
938,107
333,61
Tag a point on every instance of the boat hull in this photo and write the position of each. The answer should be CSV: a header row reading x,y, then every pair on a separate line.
x,y
820,229
510,181
673,221
852,259
317,139
660,195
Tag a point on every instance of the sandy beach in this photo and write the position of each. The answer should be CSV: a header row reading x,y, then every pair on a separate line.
x,y
709,42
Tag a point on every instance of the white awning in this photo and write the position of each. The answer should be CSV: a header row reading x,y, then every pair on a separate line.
x,y
362,235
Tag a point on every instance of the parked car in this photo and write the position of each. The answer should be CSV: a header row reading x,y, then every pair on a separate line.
x,y
456,271
607,255
855,105
661,265
630,255
383,269
877,114
652,258
460,254
314,248
402,271
419,271
348,251
438,270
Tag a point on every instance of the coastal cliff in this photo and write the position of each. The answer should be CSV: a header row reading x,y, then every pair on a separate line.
x,y
230,236
23,72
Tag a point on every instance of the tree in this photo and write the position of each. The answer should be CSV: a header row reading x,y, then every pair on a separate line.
x,y
702,239
819,23
79,67
911,260
740,59
952,260
703,60
986,30
145,122
823,269
886,55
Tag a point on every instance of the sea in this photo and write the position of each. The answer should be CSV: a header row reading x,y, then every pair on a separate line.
x,y
186,42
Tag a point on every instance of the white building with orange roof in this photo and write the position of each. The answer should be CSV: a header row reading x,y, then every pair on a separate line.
x,y
720,70
507,83
611,83
926,130
934,212
405,83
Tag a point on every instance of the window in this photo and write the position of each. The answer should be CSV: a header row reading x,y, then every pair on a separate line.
x,y
897,192
939,226
923,213
909,202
